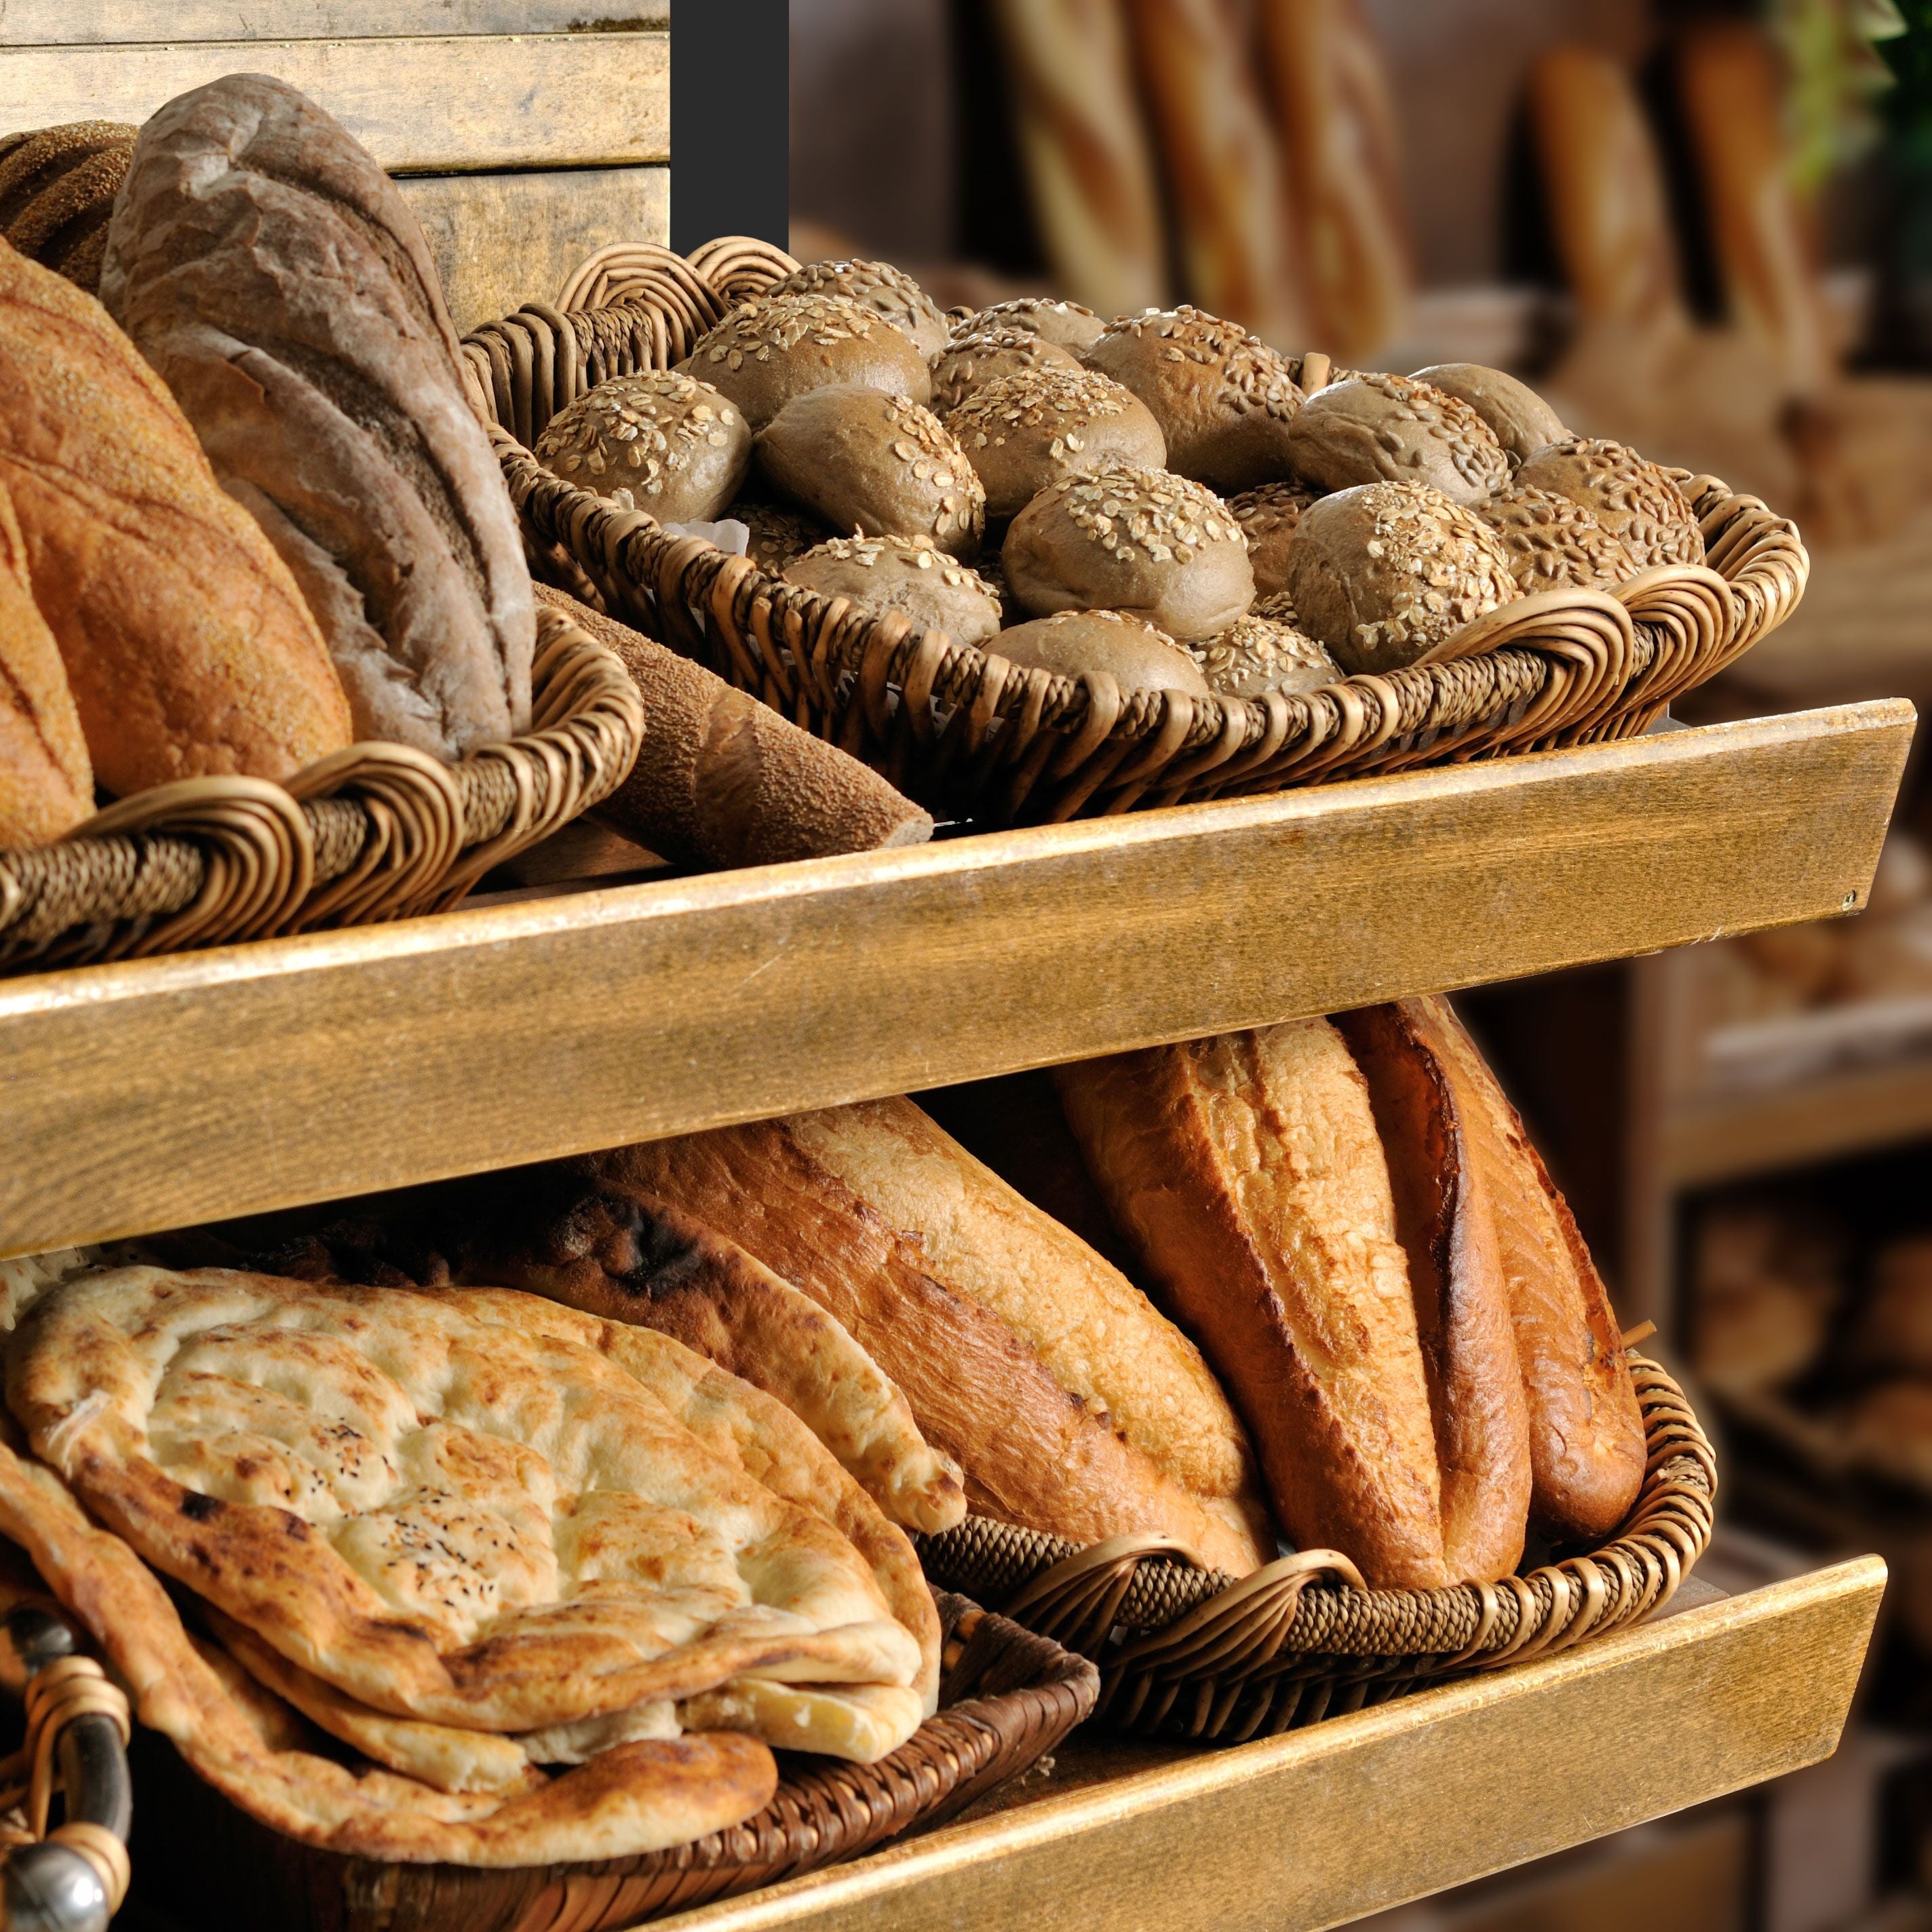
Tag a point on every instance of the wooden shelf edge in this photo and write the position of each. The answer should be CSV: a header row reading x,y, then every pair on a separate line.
x,y
157,1093
1364,1813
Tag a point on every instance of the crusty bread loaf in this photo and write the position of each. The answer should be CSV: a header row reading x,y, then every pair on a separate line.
x,y
1586,1442
1070,1404
1443,1219
274,275
57,190
188,648
1247,1172
46,784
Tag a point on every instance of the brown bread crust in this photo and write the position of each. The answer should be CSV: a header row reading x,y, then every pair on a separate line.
x,y
1033,1452
187,646
46,784
1247,1170
1586,1441
1455,1274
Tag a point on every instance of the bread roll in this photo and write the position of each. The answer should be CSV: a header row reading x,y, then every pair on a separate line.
x,y
882,575
779,537
1448,1233
656,442
188,647
46,784
971,361
879,287
1079,644
1067,325
1259,653
1071,1406
1554,544
57,190
277,280
1518,417
1586,1441
1635,500
1249,1174
1267,515
1374,429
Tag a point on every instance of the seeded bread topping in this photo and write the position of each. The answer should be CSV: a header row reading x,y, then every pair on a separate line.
x,y
1634,499
1369,429
1554,543
886,574
779,536
1070,324
879,287
1257,654
1520,419
971,361
658,442
1267,516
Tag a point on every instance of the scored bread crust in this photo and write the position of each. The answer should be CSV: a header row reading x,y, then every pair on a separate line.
x,y
46,783
442,1517
253,1751
1586,1438
1048,1453
1448,1233
1247,1172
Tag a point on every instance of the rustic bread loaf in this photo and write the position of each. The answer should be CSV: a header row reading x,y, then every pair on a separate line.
x,y
1224,399
1075,644
1553,543
1267,515
878,464
1071,1406
1022,432
882,575
1247,1172
879,287
188,647
1447,1230
1069,325
1383,574
1518,418
275,278
1373,429
57,190
775,348
1116,538
657,441
1634,499
1264,651
971,361
46,784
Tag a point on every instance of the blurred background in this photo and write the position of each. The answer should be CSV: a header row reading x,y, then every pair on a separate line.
x,y
1705,229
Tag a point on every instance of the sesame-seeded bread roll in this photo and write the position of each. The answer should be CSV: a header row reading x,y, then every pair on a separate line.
x,y
1554,543
657,441
971,361
1373,429
883,575
1070,325
880,287
1260,653
1634,499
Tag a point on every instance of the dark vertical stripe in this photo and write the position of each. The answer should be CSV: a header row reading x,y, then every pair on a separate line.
x,y
730,121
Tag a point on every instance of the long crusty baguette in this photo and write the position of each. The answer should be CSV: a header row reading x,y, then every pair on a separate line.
x,y
1071,1405
1247,1171
46,784
1444,1221
1586,1443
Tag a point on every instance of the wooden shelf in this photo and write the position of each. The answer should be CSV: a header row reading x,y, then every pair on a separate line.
x,y
1362,1812
155,1093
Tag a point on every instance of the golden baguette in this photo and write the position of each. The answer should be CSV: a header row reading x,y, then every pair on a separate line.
x,y
1247,1172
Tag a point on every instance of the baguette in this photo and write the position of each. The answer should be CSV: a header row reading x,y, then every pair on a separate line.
x,y
1586,1440
1455,1274
1246,1170
46,784
1072,1407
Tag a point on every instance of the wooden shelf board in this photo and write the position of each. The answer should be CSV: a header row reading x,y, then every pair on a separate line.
x,y
158,1093
1363,1813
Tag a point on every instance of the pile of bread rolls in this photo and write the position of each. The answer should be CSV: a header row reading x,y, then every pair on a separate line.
x,y
1162,498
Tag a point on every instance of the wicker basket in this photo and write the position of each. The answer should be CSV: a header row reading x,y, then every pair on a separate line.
x,y
376,832
965,731
1007,1697
1187,1652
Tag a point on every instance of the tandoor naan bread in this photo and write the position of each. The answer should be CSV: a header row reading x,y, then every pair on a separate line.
x,y
444,1517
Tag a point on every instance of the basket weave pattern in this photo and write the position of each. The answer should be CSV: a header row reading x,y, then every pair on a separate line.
x,y
961,727
377,832
1189,1652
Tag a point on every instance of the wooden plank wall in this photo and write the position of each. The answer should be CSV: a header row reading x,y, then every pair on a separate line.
x,y
527,133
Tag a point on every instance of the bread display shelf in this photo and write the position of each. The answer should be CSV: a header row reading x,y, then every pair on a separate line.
x,y
154,1093
1363,1813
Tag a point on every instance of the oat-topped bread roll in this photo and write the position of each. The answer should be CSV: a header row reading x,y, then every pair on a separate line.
x,y
657,441
1248,1172
1370,429
1071,325
970,362
188,647
1119,538
1634,499
1072,1405
275,278
779,536
1223,398
57,190
1383,574
883,575
1268,515
1020,432
774,348
1264,651
1553,543
1518,418
880,464
46,784
879,287
1078,643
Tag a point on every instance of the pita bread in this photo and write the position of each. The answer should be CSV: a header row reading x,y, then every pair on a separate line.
x,y
861,1722
446,1518
250,1747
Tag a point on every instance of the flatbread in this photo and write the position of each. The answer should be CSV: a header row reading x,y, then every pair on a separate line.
x,y
860,1722
249,1746
445,1517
